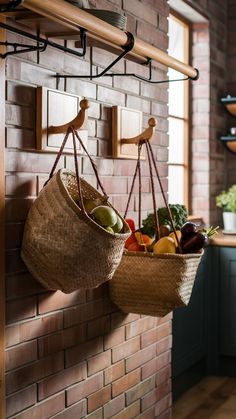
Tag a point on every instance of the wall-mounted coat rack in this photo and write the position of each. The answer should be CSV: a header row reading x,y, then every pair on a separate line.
x,y
64,15
229,141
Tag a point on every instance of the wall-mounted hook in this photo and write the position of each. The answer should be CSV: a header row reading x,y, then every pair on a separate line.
x,y
79,122
145,135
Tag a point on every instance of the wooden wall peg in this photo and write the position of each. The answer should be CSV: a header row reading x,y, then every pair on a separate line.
x,y
78,122
126,127
56,111
145,135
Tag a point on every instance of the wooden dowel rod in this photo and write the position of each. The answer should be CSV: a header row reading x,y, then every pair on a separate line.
x,y
73,17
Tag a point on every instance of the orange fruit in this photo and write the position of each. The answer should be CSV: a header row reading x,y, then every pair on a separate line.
x,y
172,235
164,245
130,240
135,247
143,239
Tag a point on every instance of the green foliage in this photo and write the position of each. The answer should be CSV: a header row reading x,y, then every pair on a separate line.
x,y
227,199
179,215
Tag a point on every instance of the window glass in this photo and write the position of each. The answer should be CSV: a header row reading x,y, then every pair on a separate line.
x,y
178,164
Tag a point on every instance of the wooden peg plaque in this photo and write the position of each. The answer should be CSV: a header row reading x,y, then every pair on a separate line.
x,y
55,108
126,123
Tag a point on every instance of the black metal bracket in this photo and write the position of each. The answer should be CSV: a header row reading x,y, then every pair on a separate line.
x,y
127,48
42,43
9,7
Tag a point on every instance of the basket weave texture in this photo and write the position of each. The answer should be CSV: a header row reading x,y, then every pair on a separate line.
x,y
64,248
154,285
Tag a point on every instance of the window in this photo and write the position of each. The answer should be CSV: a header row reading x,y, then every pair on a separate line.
x,y
178,164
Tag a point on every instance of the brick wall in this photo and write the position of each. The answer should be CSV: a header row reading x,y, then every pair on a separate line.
x,y
77,355
209,119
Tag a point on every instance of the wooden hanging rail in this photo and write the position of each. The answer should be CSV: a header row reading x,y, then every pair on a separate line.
x,y
75,18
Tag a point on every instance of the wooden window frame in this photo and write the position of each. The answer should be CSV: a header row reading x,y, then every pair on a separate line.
x,y
186,118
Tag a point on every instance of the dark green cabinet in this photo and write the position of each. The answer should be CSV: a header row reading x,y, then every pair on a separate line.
x,y
227,303
204,332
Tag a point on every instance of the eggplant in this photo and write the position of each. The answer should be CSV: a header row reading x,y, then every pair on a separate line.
x,y
188,229
194,243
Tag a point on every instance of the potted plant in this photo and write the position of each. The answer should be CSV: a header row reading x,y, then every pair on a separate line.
x,y
227,201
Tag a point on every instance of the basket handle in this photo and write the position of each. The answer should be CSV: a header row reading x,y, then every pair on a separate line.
x,y
71,130
151,161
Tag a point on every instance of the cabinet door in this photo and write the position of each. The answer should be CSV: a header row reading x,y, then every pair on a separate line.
x,y
189,327
228,301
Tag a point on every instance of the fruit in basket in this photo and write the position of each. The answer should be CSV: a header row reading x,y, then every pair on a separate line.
x,y
90,204
118,226
135,247
195,242
130,223
104,215
188,229
164,245
143,239
164,230
179,235
131,239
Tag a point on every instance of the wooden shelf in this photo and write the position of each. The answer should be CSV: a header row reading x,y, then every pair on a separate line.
x,y
58,16
230,104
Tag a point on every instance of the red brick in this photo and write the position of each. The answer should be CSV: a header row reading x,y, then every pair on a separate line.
x,y
55,300
19,116
157,394
156,364
87,312
21,400
140,358
97,293
139,390
14,234
29,374
45,409
22,94
20,138
83,351
61,380
154,335
77,411
20,185
130,412
98,327
163,375
148,414
21,309
99,362
103,130
114,338
162,405
22,285
21,354
61,340
14,263
140,326
110,96
125,349
98,414
30,162
114,406
164,345
99,398
114,372
126,382
140,11
84,389
112,184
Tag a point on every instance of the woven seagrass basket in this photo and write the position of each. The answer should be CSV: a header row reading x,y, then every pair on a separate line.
x,y
62,246
154,285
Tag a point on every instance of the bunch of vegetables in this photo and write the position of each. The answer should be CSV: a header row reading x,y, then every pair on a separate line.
x,y
187,238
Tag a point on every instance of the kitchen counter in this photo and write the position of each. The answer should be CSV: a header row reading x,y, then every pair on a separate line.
x,y
222,239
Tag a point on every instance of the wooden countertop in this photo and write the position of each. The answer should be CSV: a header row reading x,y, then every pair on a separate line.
x,y
222,239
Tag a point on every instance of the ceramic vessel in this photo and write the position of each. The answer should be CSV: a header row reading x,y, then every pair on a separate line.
x,y
229,219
